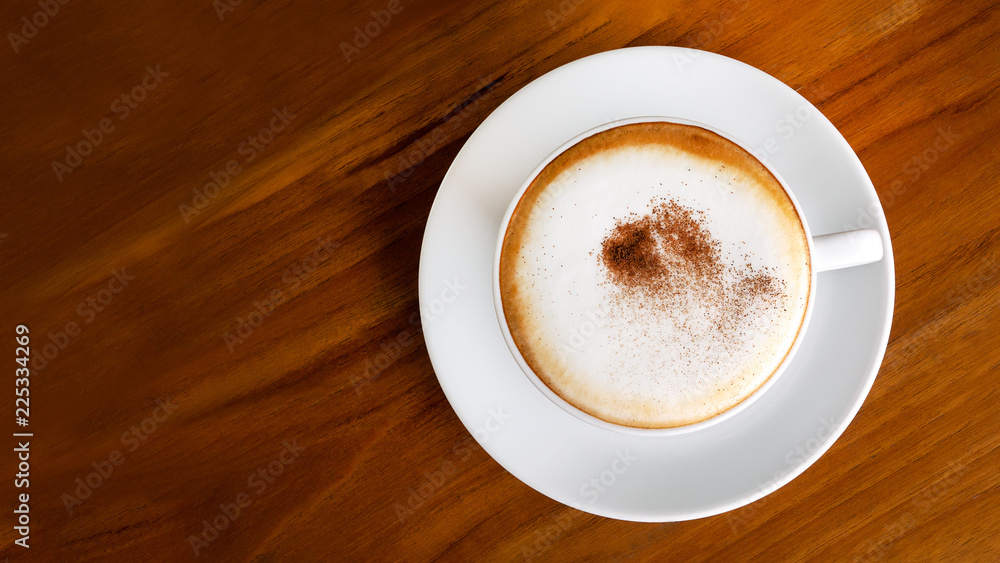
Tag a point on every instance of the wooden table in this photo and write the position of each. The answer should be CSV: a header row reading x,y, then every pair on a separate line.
x,y
204,230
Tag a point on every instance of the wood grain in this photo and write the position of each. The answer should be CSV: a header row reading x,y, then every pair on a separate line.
x,y
307,257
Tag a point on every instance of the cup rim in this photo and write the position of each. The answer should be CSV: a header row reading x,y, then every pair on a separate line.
x,y
566,405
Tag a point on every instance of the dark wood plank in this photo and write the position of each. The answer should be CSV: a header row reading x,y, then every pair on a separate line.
x,y
308,241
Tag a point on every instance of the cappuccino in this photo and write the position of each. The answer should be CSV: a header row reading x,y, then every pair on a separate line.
x,y
654,275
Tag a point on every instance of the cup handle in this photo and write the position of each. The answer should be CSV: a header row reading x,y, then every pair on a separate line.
x,y
843,250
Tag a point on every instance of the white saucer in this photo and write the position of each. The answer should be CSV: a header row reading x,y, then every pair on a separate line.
x,y
669,478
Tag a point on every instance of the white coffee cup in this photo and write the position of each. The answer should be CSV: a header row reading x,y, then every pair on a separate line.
x,y
826,252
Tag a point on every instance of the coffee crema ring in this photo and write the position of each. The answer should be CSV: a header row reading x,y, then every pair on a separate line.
x,y
654,275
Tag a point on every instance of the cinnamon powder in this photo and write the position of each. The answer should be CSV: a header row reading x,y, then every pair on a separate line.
x,y
668,257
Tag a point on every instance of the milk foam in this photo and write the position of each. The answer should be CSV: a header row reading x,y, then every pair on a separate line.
x,y
640,361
